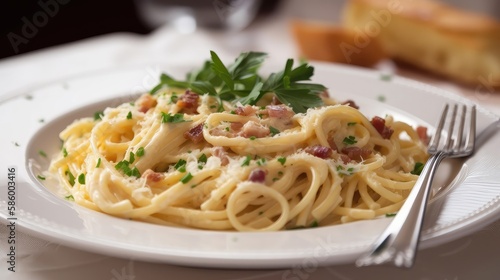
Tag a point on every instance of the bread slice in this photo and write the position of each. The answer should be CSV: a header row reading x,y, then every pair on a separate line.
x,y
433,36
324,42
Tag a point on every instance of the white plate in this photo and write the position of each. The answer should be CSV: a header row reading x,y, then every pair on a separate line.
x,y
468,196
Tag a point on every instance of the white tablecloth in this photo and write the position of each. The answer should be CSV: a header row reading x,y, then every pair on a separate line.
x,y
476,256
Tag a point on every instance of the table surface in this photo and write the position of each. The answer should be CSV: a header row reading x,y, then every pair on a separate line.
x,y
476,256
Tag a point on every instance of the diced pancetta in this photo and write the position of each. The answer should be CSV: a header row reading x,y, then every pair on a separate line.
x,y
195,134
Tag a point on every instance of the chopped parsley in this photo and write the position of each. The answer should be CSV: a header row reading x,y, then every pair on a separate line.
x,y
350,140
261,161
175,118
417,169
98,163
180,165
81,179
385,77
98,115
132,158
246,161
202,160
70,197
351,123
129,115
282,160
125,168
390,214
42,153
41,177
273,131
65,153
341,170
186,178
173,99
71,177
252,138
140,152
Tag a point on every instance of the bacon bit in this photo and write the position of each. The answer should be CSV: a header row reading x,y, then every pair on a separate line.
x,y
246,110
380,126
422,134
252,128
152,176
319,151
236,126
188,102
332,144
221,132
195,134
145,102
280,111
356,153
350,103
257,175
221,153
345,158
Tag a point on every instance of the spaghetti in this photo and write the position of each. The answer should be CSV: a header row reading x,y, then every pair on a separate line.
x,y
187,159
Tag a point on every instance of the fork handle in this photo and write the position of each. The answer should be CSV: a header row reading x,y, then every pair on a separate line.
x,y
398,243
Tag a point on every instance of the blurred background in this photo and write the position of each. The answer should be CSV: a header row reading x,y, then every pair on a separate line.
x,y
56,22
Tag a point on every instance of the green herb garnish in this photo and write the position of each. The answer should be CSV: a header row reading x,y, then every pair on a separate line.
x,y
129,115
71,177
65,153
186,178
98,115
282,160
70,197
417,169
175,118
42,153
41,177
98,163
180,164
140,152
273,131
125,168
240,82
246,161
202,160
386,77
81,179
350,140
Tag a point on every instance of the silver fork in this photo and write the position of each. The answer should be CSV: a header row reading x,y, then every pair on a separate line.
x,y
398,243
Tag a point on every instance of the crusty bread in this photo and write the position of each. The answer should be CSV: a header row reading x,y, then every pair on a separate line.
x,y
433,36
319,41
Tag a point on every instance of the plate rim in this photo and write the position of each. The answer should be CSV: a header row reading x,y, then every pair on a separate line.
x,y
349,70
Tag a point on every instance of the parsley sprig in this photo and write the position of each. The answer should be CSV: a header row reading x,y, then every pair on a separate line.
x,y
240,82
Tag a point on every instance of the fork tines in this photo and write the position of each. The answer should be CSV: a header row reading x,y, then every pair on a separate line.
x,y
456,130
